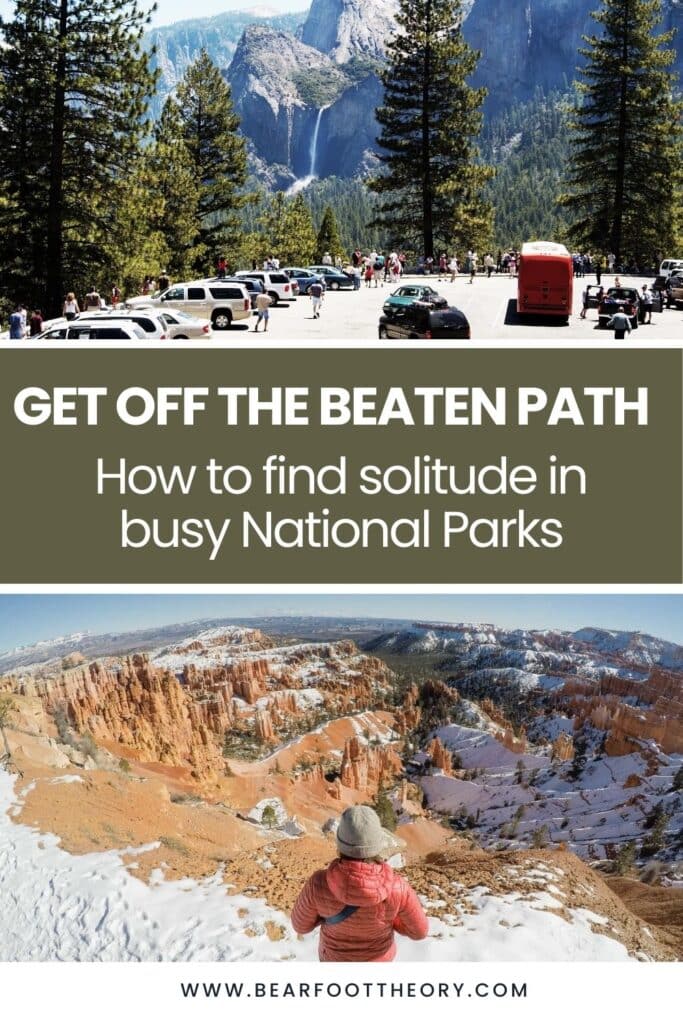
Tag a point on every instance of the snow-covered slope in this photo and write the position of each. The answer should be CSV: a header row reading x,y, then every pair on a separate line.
x,y
54,905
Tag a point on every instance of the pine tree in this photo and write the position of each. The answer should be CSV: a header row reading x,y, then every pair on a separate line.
x,y
580,756
287,231
74,82
677,783
209,127
385,811
625,176
328,239
432,179
625,858
174,194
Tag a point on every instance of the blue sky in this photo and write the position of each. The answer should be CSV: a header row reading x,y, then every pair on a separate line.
x,y
179,10
24,619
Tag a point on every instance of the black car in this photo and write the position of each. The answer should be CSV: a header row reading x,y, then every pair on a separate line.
x,y
619,300
253,286
423,321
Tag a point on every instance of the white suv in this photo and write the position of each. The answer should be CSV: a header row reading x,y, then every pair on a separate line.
x,y
276,283
148,320
99,329
221,302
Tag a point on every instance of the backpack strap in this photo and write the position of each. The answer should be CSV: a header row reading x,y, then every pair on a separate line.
x,y
342,915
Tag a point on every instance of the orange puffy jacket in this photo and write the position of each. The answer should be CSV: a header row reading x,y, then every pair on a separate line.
x,y
386,904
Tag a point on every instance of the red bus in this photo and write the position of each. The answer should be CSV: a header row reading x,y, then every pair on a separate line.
x,y
546,279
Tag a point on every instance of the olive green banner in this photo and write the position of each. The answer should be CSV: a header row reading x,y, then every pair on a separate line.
x,y
456,466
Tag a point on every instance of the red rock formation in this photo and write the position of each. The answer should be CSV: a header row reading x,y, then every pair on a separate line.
x,y
563,747
659,718
440,756
409,715
365,767
143,708
264,725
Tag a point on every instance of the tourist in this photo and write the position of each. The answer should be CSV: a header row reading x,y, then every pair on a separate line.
x,y
70,309
621,322
359,901
35,323
646,304
262,310
16,327
316,291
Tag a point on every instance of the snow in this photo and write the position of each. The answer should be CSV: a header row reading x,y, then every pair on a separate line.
x,y
65,779
56,906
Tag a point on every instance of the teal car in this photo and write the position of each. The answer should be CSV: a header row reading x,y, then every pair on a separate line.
x,y
406,294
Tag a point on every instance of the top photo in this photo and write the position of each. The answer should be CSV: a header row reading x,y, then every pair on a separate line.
x,y
354,170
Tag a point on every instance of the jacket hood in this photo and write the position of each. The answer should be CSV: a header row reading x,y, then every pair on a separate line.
x,y
359,883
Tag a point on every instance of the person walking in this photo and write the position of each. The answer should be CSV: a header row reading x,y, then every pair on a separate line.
x,y
316,291
646,303
598,269
472,258
368,274
489,263
621,323
262,310
584,303
453,267
358,901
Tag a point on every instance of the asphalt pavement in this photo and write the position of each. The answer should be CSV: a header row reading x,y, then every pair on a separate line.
x,y
489,305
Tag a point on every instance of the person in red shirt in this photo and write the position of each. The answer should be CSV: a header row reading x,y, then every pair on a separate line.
x,y
359,901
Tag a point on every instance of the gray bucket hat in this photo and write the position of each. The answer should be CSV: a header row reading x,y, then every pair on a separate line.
x,y
360,835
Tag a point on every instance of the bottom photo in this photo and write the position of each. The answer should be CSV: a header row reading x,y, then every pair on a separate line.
x,y
334,777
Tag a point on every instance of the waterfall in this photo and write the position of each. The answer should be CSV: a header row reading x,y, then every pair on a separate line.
x,y
301,183
314,143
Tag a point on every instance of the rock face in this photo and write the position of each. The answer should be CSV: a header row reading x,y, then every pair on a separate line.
x,y
534,43
441,758
659,718
350,28
279,84
364,767
144,709
563,748
282,75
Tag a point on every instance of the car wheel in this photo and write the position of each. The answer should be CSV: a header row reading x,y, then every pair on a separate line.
x,y
180,337
221,321
334,286
274,298
383,333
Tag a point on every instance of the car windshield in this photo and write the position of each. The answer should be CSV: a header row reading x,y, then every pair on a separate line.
x,y
447,318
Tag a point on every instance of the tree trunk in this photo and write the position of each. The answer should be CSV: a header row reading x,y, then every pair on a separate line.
x,y
620,171
426,169
55,211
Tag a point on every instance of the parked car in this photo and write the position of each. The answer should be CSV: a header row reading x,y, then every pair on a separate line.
x,y
149,321
615,299
423,320
94,330
670,266
334,279
182,326
304,278
406,294
674,291
275,282
221,302
253,287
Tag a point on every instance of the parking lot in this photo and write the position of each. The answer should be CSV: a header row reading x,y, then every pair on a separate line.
x,y
489,305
